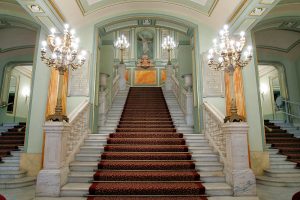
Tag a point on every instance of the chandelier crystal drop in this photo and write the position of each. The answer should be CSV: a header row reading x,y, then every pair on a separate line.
x,y
226,54
122,44
63,51
169,44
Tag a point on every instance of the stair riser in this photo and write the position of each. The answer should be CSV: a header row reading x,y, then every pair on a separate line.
x,y
219,192
84,168
205,159
73,193
14,168
209,168
80,179
11,176
281,175
274,166
213,179
16,185
278,184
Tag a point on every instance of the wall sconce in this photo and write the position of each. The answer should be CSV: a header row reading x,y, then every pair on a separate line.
x,y
26,93
263,90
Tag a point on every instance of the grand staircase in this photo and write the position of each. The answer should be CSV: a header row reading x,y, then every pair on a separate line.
x,y
146,151
11,146
284,150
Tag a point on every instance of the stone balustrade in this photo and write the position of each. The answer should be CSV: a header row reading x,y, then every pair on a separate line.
x,y
62,142
230,140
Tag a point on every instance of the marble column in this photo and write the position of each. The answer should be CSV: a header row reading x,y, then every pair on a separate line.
x,y
237,171
122,72
55,172
168,83
157,43
132,44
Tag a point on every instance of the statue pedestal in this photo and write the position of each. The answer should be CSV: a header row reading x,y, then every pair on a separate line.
x,y
122,81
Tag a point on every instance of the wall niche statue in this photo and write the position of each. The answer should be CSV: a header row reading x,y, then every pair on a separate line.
x,y
145,43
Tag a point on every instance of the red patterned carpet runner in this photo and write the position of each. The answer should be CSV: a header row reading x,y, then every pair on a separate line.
x,y
146,158
285,142
11,139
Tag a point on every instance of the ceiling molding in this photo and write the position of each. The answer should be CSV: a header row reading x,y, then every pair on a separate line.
x,y
17,48
287,50
242,19
87,9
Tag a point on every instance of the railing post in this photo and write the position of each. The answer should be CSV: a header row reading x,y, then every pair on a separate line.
x,y
102,107
286,111
189,116
237,171
55,171
188,83
122,72
168,83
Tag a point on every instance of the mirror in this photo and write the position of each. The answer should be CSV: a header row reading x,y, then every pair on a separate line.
x,y
11,94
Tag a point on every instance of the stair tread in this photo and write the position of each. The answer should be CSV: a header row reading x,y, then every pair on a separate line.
x,y
17,180
279,179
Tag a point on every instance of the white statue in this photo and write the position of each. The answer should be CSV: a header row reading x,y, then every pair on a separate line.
x,y
145,44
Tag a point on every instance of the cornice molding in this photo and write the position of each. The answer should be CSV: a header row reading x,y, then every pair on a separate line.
x,y
287,50
86,12
17,48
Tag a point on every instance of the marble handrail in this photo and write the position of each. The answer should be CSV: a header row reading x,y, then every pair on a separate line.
x,y
79,129
213,122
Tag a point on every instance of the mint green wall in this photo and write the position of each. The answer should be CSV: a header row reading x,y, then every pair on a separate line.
x,y
21,103
38,102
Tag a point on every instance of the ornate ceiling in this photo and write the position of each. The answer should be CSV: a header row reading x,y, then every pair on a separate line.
x,y
203,6
280,28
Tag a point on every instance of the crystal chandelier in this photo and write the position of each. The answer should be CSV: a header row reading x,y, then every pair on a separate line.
x,y
226,55
169,45
122,44
64,54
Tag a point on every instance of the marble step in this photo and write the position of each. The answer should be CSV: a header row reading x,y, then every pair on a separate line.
x,y
282,164
278,181
17,183
10,174
81,189
284,173
9,166
277,157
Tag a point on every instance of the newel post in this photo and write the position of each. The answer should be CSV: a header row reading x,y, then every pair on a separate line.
x,y
237,170
102,99
168,83
188,83
122,72
55,172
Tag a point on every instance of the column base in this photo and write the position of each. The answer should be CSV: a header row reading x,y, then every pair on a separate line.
x,y
243,182
49,182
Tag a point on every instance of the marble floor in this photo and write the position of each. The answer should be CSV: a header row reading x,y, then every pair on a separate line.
x,y
264,193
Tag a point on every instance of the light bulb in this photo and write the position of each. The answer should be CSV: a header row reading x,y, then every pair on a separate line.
x,y
226,27
215,41
249,48
44,43
53,30
211,51
66,26
209,56
72,31
221,32
220,59
83,52
242,34
77,40
57,41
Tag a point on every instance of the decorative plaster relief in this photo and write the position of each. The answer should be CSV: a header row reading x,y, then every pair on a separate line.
x,y
79,81
213,81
